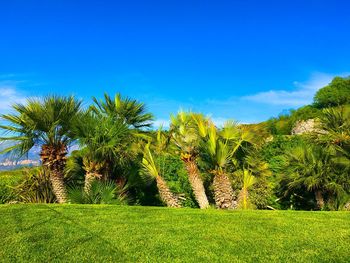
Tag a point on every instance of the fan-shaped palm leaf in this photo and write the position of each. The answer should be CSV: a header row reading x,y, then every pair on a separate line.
x,y
46,123
130,111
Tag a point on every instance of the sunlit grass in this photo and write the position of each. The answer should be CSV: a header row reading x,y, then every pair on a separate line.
x,y
99,233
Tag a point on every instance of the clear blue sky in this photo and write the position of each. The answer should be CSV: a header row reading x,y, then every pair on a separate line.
x,y
247,60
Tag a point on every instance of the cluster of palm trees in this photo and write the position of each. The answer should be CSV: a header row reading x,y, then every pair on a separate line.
x,y
56,122
193,137
116,141
114,133
321,163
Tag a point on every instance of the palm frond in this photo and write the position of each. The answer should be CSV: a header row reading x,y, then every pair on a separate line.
x,y
40,121
129,111
149,166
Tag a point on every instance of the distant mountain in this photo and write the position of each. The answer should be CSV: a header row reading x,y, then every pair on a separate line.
x,y
9,161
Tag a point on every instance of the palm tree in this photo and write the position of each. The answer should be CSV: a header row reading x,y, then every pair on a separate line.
x,y
314,168
243,196
218,150
93,170
151,168
105,143
253,164
335,130
46,123
218,154
185,135
129,111
334,134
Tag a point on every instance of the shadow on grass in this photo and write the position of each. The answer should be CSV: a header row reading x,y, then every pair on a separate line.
x,y
18,214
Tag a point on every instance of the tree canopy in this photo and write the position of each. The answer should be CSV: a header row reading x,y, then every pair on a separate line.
x,y
334,94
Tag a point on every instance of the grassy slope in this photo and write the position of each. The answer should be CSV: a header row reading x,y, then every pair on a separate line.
x,y
86,233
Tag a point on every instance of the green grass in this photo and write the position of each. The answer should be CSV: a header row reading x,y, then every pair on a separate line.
x,y
101,233
12,174
9,179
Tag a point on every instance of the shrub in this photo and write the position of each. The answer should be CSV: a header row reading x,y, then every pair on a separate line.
x,y
35,187
173,171
101,192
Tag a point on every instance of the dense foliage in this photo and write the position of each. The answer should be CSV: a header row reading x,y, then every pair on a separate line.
x,y
121,159
335,94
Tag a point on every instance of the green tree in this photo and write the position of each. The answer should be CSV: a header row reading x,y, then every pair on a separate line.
x,y
218,151
106,144
151,168
335,93
184,134
134,115
315,168
334,134
127,110
218,154
47,123
335,130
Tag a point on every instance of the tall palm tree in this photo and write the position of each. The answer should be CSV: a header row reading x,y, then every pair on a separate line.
x,y
218,150
151,168
105,143
185,135
134,115
127,110
46,123
218,154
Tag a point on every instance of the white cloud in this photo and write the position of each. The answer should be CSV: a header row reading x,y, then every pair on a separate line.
x,y
161,123
302,94
9,94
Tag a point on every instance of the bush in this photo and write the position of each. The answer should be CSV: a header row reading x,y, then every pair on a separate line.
x,y
35,187
173,171
280,126
305,113
273,153
101,192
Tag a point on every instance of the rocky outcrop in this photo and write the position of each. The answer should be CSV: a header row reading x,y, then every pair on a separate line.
x,y
302,127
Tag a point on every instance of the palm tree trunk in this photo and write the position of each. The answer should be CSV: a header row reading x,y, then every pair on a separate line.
x,y
319,199
166,195
89,178
223,193
58,187
197,184
92,172
242,200
53,158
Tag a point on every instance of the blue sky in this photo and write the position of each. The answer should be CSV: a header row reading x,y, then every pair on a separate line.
x,y
246,60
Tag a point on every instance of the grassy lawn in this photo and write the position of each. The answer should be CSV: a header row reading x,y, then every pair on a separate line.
x,y
87,233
